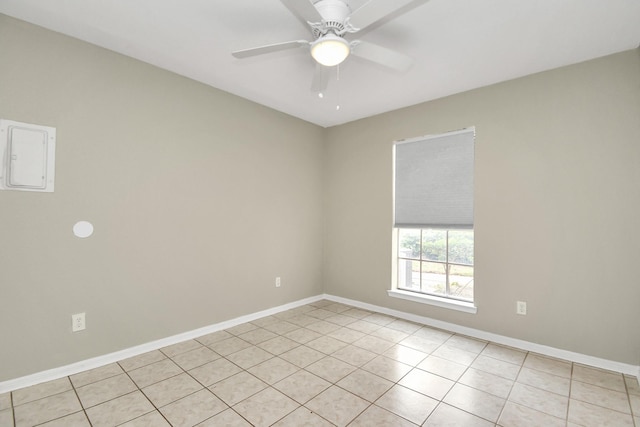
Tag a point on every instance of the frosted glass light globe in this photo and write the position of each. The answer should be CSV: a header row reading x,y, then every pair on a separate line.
x,y
330,50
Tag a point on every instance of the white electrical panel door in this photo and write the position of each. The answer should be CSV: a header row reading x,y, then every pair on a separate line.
x,y
28,154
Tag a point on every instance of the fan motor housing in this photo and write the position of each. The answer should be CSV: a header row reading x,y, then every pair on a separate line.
x,y
333,10
334,13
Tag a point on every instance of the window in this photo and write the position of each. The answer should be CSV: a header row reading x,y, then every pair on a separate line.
x,y
433,218
436,262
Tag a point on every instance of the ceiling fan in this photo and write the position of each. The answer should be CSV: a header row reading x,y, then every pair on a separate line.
x,y
329,21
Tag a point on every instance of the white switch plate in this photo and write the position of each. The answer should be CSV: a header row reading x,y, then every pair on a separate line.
x,y
277,282
521,307
77,322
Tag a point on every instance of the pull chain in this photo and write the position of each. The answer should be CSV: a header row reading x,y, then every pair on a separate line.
x,y
338,86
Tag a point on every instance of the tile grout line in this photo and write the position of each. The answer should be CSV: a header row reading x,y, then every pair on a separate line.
x,y
626,387
242,370
13,408
298,369
573,366
204,387
413,367
377,354
515,380
357,367
84,410
143,393
458,382
335,383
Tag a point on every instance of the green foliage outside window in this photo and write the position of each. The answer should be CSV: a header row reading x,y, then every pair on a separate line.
x,y
433,244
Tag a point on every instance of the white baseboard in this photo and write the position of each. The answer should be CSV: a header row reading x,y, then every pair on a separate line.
x,y
96,362
584,359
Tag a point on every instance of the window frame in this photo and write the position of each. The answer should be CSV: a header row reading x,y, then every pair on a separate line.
x,y
424,298
444,301
447,263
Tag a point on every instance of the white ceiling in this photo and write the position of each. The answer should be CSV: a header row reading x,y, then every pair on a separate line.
x,y
457,45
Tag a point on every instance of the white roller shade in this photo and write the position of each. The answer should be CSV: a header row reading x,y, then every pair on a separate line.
x,y
434,181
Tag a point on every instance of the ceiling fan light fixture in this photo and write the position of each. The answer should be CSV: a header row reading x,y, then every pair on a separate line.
x,y
330,50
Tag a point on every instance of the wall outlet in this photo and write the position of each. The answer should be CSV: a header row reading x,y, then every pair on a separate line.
x,y
77,322
521,307
277,282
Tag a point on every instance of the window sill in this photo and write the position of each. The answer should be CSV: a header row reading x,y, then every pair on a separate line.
x,y
466,307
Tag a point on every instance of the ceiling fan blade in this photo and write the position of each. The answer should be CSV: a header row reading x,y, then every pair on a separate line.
x,y
320,78
254,51
381,55
375,10
304,10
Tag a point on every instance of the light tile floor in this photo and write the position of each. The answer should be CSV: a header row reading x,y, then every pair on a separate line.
x,y
329,364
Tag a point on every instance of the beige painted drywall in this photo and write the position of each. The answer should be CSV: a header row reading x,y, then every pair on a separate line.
x,y
199,200
557,204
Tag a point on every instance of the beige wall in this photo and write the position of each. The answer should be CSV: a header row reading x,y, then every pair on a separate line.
x,y
556,207
199,200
